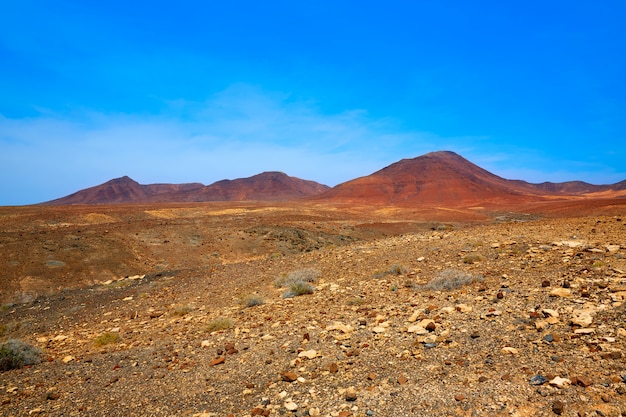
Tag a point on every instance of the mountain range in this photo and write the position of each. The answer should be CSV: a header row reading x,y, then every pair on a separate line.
x,y
440,178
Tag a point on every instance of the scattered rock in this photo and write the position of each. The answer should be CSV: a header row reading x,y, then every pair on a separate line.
x,y
558,407
560,382
217,361
582,318
309,354
289,376
291,406
561,292
581,381
350,394
538,380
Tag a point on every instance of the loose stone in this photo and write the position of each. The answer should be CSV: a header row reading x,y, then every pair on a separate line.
x,y
538,380
350,394
558,407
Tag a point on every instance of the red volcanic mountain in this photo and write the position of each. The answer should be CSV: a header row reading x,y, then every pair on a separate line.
x,y
125,190
268,186
438,179
444,179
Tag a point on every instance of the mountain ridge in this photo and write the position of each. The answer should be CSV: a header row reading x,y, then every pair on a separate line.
x,y
441,178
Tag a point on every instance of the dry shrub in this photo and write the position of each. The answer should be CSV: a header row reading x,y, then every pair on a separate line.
x,y
220,323
298,282
450,279
471,258
15,354
299,288
181,311
107,339
252,300
394,269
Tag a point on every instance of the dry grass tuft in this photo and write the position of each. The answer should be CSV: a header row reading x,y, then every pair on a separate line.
x,y
298,282
181,311
107,339
220,323
252,300
450,279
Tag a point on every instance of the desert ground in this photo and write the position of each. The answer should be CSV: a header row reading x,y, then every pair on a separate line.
x,y
305,309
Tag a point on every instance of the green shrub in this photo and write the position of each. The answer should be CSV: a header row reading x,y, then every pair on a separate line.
x,y
450,279
220,323
14,354
106,339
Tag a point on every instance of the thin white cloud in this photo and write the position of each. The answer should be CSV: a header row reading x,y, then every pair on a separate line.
x,y
237,133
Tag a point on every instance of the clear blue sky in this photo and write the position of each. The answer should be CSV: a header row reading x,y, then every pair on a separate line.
x,y
198,91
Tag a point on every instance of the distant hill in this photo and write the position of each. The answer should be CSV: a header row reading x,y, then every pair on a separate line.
x,y
442,179
446,179
267,186
579,187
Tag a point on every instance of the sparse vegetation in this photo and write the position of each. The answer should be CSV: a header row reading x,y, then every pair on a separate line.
x,y
220,323
471,258
15,354
10,327
450,279
182,311
355,301
298,282
409,283
106,339
392,270
299,288
252,300
299,275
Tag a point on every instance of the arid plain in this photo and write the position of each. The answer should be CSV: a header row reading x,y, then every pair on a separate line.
x,y
190,309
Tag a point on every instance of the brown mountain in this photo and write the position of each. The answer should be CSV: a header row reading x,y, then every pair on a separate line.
x,y
267,186
579,187
436,179
125,190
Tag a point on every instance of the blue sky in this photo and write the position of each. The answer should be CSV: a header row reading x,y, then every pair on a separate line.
x,y
199,91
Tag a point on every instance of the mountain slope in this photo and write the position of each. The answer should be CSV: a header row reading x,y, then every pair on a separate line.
x,y
267,186
125,190
438,178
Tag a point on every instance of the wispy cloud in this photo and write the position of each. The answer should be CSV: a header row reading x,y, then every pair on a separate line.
x,y
239,132
236,133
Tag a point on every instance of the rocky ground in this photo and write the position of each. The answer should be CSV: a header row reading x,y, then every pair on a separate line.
x,y
507,318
